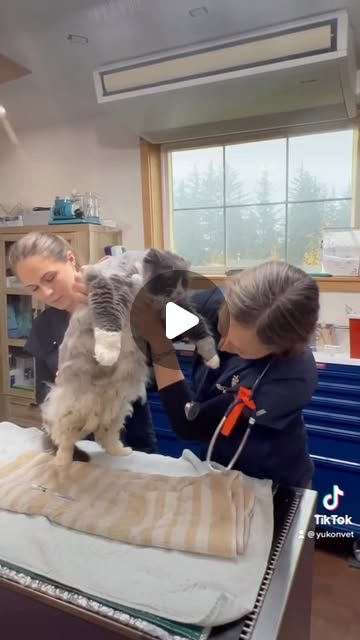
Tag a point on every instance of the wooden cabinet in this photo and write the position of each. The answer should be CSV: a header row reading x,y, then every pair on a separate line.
x,y
18,308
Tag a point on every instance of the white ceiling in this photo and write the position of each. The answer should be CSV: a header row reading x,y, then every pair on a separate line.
x,y
60,88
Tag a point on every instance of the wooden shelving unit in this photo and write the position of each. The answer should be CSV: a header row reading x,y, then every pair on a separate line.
x,y
17,402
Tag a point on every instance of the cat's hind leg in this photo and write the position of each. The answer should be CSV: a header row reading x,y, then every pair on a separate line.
x,y
64,441
65,453
108,438
63,426
109,298
107,434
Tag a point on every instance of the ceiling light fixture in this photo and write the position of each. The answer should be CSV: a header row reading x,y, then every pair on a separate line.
x,y
198,12
76,39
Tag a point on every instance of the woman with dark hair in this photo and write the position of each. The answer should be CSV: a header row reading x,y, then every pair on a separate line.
x,y
263,328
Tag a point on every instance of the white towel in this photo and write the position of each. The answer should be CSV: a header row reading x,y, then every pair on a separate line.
x,y
207,514
182,586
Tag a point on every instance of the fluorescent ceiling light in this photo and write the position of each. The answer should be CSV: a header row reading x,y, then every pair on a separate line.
x,y
292,43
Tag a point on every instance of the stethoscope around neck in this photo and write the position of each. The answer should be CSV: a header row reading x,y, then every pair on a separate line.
x,y
192,410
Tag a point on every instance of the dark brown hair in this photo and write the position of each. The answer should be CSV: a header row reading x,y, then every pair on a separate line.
x,y
279,300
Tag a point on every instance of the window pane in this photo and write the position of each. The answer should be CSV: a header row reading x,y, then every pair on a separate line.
x,y
199,236
255,172
255,234
320,166
229,203
198,178
306,222
337,213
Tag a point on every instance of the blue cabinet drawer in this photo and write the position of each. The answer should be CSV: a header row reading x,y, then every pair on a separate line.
x,y
339,405
330,472
336,444
331,420
346,373
337,389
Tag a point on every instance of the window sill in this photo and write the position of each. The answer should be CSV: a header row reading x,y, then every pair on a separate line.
x,y
345,284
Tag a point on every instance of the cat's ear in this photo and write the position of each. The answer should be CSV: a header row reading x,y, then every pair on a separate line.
x,y
182,263
153,256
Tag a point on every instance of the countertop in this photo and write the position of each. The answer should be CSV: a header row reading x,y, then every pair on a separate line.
x,y
325,356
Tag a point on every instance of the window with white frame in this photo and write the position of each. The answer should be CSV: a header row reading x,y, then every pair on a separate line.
x,y
236,205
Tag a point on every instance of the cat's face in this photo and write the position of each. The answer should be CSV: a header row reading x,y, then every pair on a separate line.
x,y
166,274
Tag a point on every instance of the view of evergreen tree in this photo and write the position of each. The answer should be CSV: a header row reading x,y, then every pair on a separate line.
x,y
217,221
307,219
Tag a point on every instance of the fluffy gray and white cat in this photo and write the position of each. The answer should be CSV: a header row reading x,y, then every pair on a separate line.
x,y
102,371
165,277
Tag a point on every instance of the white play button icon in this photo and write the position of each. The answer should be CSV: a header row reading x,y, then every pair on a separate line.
x,y
178,320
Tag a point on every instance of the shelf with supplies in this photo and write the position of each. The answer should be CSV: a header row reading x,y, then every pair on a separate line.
x,y
16,342
17,291
18,308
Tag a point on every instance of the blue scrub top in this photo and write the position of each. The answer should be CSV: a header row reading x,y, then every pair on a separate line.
x,y
277,447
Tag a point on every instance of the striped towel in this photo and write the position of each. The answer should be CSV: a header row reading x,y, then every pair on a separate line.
x,y
208,514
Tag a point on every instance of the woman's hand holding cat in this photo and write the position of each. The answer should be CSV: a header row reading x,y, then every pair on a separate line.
x,y
80,289
145,320
79,286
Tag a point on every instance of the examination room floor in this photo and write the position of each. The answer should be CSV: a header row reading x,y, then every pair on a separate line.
x,y
336,594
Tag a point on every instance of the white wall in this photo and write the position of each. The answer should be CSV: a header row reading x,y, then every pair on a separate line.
x,y
91,155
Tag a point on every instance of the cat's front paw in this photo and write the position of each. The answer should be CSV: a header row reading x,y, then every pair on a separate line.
x,y
63,459
119,450
214,362
107,346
